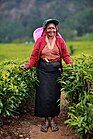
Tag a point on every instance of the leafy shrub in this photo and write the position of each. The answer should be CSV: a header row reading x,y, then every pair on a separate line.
x,y
81,115
77,82
15,86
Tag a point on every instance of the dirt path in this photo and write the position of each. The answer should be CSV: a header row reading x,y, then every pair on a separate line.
x,y
28,127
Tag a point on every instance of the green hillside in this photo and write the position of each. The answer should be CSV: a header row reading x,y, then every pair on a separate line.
x,y
18,18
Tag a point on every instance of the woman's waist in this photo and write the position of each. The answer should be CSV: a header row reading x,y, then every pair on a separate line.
x,y
49,65
50,60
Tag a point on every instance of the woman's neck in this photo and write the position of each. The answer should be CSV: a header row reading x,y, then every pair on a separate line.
x,y
50,42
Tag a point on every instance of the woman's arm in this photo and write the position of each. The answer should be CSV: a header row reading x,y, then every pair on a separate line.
x,y
65,54
34,56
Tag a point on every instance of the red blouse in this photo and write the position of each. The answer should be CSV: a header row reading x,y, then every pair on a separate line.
x,y
40,44
50,54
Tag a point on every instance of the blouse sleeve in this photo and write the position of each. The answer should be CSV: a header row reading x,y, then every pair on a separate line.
x,y
34,56
65,54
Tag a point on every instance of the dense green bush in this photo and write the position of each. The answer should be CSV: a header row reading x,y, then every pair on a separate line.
x,y
15,86
77,82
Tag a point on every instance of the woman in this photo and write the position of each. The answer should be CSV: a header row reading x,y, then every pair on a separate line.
x,y
49,50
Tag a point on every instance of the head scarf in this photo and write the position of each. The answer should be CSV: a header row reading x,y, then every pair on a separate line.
x,y
38,33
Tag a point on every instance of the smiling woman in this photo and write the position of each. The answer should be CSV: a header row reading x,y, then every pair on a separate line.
x,y
48,52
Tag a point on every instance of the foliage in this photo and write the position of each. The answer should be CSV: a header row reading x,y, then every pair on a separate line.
x,y
77,82
78,24
22,50
15,86
15,51
87,37
81,115
81,47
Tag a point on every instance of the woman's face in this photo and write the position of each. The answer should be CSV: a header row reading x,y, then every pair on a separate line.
x,y
51,30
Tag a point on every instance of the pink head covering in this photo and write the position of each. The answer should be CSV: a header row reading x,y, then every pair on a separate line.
x,y
38,33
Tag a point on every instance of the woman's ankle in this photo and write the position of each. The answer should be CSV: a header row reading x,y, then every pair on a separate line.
x,y
52,119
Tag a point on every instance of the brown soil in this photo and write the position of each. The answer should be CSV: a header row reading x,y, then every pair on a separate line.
x,y
28,127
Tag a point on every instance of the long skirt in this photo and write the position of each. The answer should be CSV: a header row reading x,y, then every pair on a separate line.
x,y
47,100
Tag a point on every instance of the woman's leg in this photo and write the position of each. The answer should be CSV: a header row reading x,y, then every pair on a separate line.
x,y
45,125
53,125
49,122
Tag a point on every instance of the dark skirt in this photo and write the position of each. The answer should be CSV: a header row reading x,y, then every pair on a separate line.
x,y
47,102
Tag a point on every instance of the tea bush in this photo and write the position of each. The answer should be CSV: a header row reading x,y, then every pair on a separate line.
x,y
77,82
15,86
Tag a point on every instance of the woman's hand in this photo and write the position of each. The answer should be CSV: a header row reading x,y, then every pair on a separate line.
x,y
24,67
